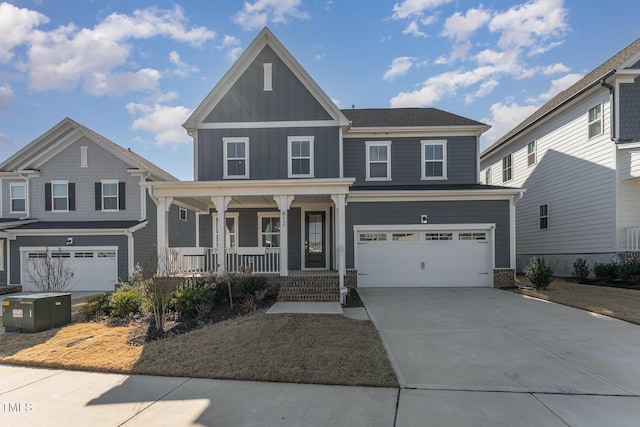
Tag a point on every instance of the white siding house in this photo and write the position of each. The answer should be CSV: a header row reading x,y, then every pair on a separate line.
x,y
579,160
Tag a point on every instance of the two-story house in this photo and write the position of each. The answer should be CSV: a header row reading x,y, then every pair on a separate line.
x,y
578,156
287,183
74,194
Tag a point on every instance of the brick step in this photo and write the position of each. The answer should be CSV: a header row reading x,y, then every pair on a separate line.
x,y
308,297
309,289
311,281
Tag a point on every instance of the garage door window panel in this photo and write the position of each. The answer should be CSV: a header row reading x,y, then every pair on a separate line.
x,y
373,237
406,237
472,236
438,236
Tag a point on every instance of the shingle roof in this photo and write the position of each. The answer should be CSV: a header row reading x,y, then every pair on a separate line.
x,y
405,117
79,225
588,81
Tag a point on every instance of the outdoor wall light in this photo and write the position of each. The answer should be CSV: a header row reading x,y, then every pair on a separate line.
x,y
423,219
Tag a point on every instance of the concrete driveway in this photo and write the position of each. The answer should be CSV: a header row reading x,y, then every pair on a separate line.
x,y
491,357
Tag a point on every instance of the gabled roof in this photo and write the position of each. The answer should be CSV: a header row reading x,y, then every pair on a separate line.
x,y
264,38
626,58
63,134
406,117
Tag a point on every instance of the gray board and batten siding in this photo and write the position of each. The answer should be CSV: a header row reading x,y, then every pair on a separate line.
x,y
406,167
289,99
439,212
268,155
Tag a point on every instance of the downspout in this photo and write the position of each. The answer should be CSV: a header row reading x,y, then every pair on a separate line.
x,y
27,195
612,102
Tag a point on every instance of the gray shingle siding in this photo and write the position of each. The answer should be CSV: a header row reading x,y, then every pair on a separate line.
x,y
289,99
267,151
406,168
630,111
443,212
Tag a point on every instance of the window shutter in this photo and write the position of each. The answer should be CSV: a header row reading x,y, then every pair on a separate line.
x,y
47,196
121,196
72,196
98,196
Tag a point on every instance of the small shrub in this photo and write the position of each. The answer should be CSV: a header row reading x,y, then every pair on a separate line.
x,y
629,270
126,300
250,284
159,292
194,298
580,269
539,273
97,305
607,272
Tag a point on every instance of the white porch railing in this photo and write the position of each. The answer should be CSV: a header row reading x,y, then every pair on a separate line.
x,y
205,260
633,238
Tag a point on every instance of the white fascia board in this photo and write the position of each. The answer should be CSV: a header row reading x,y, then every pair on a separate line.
x,y
628,145
432,195
423,227
21,174
79,232
415,131
53,149
267,125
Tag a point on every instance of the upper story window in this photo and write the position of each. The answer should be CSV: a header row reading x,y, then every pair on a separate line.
x,y
487,176
18,197
378,160
269,224
506,168
182,214
109,195
543,217
236,157
434,159
595,121
300,153
531,153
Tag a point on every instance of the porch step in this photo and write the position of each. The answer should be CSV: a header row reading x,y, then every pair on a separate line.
x,y
310,288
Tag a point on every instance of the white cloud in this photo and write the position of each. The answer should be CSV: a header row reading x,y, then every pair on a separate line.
x,y
504,117
557,86
67,56
182,69
460,27
6,98
4,138
15,26
409,8
555,69
163,121
413,29
259,13
485,89
399,67
232,45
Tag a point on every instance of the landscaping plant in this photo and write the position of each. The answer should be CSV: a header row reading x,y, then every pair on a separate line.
x,y
159,292
96,305
629,270
539,273
607,272
126,300
580,269
194,298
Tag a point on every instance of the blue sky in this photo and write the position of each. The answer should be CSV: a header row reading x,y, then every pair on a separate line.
x,y
133,71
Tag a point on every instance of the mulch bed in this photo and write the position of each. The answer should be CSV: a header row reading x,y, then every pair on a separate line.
x,y
616,284
352,299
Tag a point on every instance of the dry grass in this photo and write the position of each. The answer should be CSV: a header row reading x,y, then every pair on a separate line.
x,y
320,349
614,302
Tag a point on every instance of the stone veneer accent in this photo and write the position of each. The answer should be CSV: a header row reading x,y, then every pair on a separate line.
x,y
351,278
503,277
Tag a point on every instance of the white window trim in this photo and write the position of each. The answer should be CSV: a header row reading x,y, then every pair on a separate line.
x,y
290,140
266,215
180,215
423,162
369,144
84,156
2,255
226,142
540,216
268,76
601,120
533,154
102,196
26,198
236,217
53,205
503,169
487,176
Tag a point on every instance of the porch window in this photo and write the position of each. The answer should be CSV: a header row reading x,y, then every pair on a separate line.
x,y
231,230
300,153
378,160
269,230
18,198
182,214
236,157
434,160
595,121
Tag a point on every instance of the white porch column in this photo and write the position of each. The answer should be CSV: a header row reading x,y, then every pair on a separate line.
x,y
221,204
164,204
339,201
284,203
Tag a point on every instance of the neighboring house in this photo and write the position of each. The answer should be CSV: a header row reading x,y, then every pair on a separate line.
x,y
72,193
389,195
578,157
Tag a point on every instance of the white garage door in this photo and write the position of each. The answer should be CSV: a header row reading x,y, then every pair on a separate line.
x,y
418,258
93,269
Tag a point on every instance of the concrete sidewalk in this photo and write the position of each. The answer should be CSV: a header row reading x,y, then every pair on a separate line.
x,y
49,397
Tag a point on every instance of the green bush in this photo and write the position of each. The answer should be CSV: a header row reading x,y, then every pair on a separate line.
x,y
194,298
629,270
580,269
539,273
250,284
607,272
126,300
97,305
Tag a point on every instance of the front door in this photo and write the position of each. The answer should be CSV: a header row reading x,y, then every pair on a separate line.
x,y
314,240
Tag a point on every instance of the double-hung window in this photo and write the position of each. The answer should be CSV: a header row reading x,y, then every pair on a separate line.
x,y
236,157
595,121
506,168
378,159
300,153
60,196
487,176
434,159
110,195
531,153
18,197
543,217
269,226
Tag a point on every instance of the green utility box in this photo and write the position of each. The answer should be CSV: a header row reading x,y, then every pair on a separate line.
x,y
36,312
